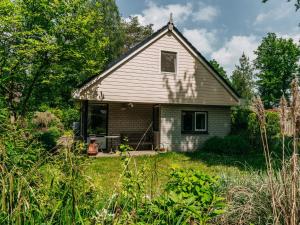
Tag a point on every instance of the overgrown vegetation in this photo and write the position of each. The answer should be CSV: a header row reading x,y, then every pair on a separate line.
x,y
47,48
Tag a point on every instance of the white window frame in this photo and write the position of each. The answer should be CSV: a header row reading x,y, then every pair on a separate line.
x,y
205,116
176,62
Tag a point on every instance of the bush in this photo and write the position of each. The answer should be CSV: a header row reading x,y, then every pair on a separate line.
x,y
190,198
231,144
49,138
239,120
272,126
214,144
235,144
69,116
66,115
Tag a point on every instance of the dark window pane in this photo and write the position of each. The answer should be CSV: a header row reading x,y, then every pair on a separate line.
x,y
168,62
97,119
200,121
187,121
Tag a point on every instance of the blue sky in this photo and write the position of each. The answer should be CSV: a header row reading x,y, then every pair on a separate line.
x,y
220,29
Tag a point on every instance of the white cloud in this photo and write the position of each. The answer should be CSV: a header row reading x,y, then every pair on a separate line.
x,y
294,35
159,15
279,13
232,50
205,13
202,39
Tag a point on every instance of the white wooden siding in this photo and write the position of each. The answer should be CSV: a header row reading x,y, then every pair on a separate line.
x,y
140,80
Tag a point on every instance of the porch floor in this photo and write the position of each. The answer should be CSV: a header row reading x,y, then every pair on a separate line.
x,y
132,153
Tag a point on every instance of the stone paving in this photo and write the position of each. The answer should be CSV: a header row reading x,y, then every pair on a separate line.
x,y
132,153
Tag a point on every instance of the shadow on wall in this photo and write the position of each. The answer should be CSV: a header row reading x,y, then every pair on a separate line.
x,y
181,88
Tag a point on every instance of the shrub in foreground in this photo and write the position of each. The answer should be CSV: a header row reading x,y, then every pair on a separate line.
x,y
189,197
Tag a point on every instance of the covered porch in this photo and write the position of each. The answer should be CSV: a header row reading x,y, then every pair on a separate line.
x,y
112,122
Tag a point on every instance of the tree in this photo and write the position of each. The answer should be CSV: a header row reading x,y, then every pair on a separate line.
x,y
243,78
219,69
48,47
297,3
134,32
277,64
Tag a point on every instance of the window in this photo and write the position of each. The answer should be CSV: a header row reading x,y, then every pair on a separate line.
x,y
194,122
200,121
97,119
168,61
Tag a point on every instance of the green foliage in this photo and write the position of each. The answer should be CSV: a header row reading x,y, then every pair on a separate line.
x,y
69,116
297,3
239,120
52,46
235,144
219,69
125,147
38,187
50,137
243,79
277,64
188,197
134,32
272,124
213,144
192,197
231,144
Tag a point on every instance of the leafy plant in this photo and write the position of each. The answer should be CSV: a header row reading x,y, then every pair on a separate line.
x,y
125,147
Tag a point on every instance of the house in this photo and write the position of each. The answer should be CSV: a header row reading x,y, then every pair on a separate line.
x,y
163,92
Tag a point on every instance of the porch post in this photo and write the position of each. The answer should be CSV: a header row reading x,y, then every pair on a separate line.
x,y
84,106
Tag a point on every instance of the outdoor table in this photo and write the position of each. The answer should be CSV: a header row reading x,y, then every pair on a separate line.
x,y
111,137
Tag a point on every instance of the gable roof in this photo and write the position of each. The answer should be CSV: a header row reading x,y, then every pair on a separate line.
x,y
146,42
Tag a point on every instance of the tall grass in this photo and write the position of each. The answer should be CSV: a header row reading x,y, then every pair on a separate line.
x,y
37,187
283,184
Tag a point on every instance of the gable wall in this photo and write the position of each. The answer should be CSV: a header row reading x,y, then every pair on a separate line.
x,y
140,79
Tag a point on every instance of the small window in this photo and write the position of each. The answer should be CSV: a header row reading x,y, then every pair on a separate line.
x,y
168,61
194,122
200,121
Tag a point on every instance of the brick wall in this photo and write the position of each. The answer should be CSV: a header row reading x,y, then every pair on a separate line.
x,y
171,137
135,119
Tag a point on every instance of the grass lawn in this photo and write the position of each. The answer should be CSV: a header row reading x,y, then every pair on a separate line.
x,y
104,173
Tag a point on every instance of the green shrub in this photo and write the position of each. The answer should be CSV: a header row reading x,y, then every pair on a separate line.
x,y
49,138
214,144
239,120
69,116
272,126
66,115
235,144
190,198
231,144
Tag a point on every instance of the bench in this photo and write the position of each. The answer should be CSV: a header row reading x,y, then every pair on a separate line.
x,y
135,137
